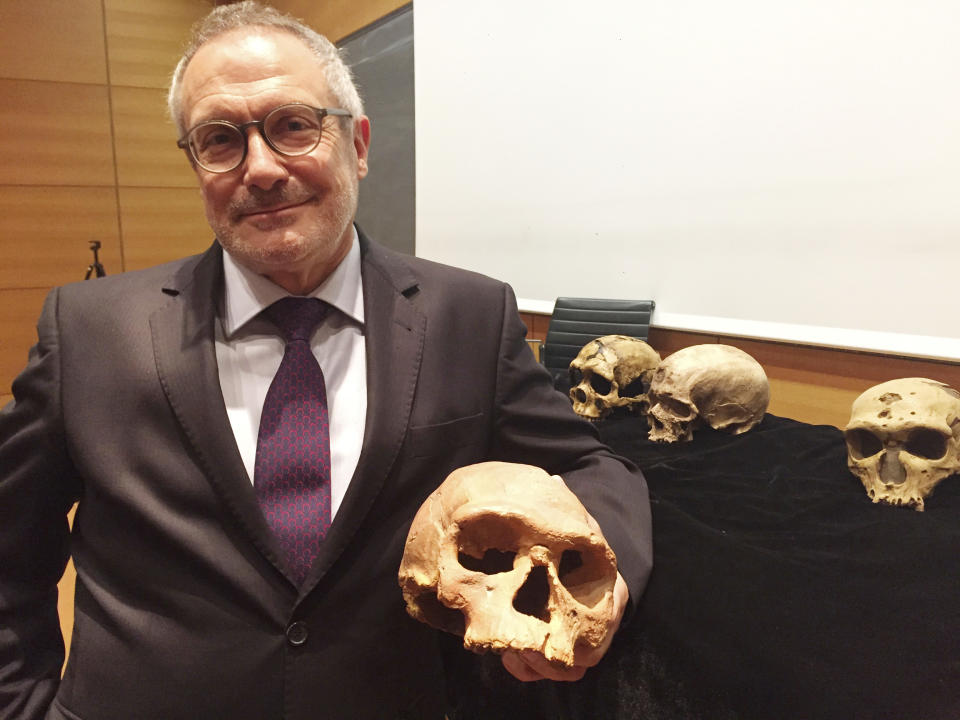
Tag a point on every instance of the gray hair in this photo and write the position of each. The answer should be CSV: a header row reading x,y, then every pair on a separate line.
x,y
251,13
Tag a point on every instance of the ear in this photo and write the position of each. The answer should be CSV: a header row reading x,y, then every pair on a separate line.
x,y
361,142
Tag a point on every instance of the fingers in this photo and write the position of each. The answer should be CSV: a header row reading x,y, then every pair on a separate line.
x,y
530,666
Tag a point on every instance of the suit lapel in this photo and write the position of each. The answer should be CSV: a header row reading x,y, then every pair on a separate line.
x,y
395,331
183,341
183,338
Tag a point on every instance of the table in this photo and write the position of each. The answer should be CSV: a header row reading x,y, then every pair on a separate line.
x,y
779,592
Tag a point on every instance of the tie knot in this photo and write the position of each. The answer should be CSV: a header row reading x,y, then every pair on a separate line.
x,y
296,317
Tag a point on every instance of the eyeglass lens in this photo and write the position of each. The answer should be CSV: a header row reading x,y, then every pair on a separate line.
x,y
290,129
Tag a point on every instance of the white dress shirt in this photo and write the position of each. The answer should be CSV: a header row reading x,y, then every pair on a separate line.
x,y
249,351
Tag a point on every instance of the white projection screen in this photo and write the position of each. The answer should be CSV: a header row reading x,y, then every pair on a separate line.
x,y
764,168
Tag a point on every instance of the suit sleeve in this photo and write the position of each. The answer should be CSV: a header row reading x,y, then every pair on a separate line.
x,y
536,425
37,489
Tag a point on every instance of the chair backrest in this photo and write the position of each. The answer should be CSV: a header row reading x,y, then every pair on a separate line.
x,y
577,321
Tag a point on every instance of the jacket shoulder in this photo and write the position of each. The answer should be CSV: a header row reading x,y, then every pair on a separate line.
x,y
411,273
125,286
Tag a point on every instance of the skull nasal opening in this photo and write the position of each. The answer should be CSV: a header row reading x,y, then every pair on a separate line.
x,y
532,597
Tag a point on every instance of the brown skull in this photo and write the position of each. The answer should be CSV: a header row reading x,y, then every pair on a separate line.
x,y
903,438
610,372
506,556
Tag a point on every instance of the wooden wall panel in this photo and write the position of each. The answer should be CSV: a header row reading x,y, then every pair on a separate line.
x,y
67,590
45,234
147,152
161,224
818,385
54,134
52,40
815,385
338,18
145,39
19,310
669,341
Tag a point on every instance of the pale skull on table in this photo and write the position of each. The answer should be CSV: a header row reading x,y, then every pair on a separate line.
x,y
719,386
903,438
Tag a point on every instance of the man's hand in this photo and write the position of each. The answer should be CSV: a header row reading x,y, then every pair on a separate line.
x,y
529,665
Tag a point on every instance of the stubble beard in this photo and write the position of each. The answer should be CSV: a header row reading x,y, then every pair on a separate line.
x,y
285,246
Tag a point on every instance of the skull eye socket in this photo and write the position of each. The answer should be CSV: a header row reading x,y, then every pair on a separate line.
x,y
600,384
679,410
493,561
575,376
585,573
485,544
926,443
637,387
863,443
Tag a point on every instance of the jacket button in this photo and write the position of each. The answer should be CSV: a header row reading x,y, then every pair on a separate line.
x,y
297,633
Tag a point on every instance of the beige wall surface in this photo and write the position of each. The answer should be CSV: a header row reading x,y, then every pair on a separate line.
x,y
86,145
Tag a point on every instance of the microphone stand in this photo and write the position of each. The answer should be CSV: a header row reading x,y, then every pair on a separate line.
x,y
95,268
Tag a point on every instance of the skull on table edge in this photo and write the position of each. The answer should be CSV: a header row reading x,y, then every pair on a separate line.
x,y
715,385
903,438
611,372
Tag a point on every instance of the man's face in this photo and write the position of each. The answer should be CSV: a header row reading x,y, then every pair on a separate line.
x,y
288,218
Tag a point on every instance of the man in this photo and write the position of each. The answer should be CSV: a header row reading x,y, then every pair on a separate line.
x,y
143,399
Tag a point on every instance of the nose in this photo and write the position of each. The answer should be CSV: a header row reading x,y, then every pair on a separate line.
x,y
262,168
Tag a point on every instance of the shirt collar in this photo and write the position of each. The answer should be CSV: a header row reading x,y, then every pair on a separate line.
x,y
246,293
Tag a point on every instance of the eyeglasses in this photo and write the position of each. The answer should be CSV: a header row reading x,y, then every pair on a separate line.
x,y
219,146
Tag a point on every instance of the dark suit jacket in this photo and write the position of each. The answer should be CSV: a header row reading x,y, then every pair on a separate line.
x,y
184,609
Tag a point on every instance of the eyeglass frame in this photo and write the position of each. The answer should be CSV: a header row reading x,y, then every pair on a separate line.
x,y
184,142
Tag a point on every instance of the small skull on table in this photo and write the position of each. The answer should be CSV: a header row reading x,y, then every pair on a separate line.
x,y
611,372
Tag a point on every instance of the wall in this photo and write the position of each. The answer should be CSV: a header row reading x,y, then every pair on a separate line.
x,y
338,18
88,153
785,170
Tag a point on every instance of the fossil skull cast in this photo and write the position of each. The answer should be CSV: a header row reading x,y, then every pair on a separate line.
x,y
715,385
610,372
506,556
903,438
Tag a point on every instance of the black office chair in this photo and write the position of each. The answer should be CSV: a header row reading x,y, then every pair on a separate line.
x,y
577,321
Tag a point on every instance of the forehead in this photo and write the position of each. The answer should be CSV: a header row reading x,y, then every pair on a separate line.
x,y
247,72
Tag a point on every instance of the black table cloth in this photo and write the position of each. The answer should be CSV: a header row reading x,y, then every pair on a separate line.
x,y
779,591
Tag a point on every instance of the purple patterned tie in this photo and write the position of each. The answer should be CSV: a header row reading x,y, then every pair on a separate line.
x,y
292,469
